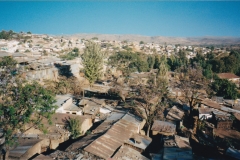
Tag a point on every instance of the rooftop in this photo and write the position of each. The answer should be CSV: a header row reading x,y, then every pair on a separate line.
x,y
162,126
227,76
23,147
139,141
205,110
62,118
175,114
127,153
108,143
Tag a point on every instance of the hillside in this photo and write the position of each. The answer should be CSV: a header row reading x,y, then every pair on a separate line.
x,y
207,40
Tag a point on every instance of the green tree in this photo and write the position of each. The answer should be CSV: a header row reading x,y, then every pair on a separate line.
x,y
95,38
141,42
73,126
208,72
93,61
6,35
163,69
151,61
225,88
21,103
129,62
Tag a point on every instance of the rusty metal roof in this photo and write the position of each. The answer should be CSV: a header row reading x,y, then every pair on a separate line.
x,y
210,103
163,126
107,144
127,153
175,114
139,141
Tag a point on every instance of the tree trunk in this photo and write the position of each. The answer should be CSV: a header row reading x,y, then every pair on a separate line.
x,y
6,154
148,130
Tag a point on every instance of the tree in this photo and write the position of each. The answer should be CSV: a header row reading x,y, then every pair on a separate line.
x,y
146,104
163,69
141,42
129,62
192,84
65,85
149,102
151,61
21,102
73,126
93,61
225,88
6,34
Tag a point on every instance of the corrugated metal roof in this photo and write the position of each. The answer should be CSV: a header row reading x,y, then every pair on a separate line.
x,y
127,153
177,153
175,114
108,143
139,141
23,147
162,126
210,103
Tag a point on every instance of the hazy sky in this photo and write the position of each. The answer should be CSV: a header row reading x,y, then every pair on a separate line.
x,y
154,18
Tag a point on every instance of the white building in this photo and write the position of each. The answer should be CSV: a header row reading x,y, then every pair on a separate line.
x,y
65,105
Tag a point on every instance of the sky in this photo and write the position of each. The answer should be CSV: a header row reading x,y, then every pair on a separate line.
x,y
149,18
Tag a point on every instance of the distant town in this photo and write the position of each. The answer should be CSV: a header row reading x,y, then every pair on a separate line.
x,y
66,97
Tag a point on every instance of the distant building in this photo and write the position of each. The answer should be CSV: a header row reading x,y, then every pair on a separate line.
x,y
229,76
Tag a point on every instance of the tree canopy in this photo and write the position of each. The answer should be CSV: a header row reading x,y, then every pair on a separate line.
x,y
225,88
21,102
93,61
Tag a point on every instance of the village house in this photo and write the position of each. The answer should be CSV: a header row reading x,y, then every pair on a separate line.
x,y
66,105
208,129
229,76
91,106
222,120
141,78
177,147
122,130
205,113
57,131
28,148
126,152
236,122
138,142
164,128
61,119
175,114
